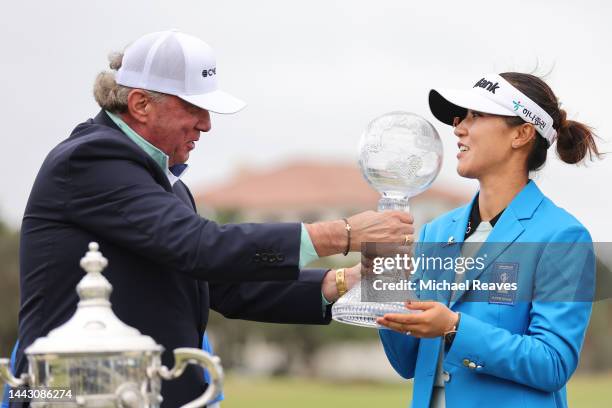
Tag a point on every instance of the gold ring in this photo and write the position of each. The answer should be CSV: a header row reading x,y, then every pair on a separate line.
x,y
407,240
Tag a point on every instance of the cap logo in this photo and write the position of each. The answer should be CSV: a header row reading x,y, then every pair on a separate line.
x,y
488,85
517,105
209,72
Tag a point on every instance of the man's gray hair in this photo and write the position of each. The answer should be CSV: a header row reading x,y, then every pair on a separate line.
x,y
109,94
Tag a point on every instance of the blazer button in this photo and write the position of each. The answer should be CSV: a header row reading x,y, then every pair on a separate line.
x,y
264,257
446,376
257,257
466,362
280,257
472,365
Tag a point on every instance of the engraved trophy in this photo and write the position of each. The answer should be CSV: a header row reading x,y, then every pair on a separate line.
x,y
400,155
98,361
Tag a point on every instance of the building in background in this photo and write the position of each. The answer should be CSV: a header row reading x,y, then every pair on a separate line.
x,y
311,191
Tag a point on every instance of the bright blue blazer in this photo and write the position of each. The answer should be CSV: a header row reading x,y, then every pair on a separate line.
x,y
523,353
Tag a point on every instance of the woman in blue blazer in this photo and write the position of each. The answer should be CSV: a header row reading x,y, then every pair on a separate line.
x,y
465,349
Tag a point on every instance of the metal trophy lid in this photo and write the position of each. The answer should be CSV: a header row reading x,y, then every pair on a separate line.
x,y
94,328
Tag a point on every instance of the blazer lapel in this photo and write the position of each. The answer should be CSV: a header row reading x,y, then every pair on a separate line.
x,y
451,248
459,225
160,176
506,231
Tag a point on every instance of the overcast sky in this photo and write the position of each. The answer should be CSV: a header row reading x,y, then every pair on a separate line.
x,y
314,73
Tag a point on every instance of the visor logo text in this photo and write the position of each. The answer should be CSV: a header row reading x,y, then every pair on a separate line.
x,y
488,85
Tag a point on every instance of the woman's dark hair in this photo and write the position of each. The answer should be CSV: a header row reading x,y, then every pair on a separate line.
x,y
574,139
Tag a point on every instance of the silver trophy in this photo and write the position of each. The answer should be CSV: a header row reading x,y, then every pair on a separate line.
x,y
95,360
400,155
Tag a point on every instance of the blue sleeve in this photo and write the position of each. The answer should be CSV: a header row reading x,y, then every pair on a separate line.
x,y
5,402
545,356
5,396
206,346
401,351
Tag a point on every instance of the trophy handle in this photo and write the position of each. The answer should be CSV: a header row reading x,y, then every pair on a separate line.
x,y
184,356
7,376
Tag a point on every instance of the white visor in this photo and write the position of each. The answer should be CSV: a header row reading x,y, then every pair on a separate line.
x,y
491,94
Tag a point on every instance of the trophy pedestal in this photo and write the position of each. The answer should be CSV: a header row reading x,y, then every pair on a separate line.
x,y
350,308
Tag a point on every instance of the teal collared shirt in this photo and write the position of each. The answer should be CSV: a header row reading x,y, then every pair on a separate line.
x,y
160,157
307,250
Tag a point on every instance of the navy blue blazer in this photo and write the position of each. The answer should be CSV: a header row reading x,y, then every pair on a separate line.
x,y
167,265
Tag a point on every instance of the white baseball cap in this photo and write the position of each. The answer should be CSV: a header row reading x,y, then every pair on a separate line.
x,y
491,94
177,64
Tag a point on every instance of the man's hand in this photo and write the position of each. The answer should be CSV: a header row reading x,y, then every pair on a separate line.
x,y
331,237
352,277
434,320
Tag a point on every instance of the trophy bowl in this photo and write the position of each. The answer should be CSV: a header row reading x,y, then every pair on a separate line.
x,y
400,155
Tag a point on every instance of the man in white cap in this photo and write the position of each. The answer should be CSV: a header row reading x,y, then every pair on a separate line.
x,y
116,180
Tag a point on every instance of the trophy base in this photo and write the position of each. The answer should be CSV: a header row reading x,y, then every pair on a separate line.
x,y
365,314
349,309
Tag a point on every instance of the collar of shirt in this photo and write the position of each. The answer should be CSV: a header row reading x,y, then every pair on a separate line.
x,y
174,173
475,219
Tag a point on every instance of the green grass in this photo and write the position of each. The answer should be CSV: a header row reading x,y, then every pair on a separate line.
x,y
590,391
305,393
583,391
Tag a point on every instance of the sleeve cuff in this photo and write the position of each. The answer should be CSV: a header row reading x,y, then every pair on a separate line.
x,y
324,304
462,352
308,253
